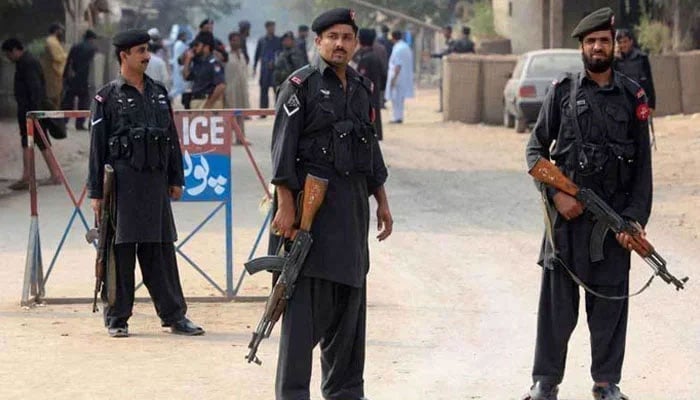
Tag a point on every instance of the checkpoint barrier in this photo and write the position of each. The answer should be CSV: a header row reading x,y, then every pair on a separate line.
x,y
202,132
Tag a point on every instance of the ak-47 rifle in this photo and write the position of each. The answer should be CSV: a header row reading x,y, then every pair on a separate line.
x,y
546,172
104,234
288,266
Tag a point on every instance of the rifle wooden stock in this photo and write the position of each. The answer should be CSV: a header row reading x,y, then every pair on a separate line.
x,y
546,172
314,193
104,259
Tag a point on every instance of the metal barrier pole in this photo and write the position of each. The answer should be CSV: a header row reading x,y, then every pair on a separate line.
x,y
33,270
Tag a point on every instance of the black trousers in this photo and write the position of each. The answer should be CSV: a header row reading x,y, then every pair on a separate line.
x,y
556,319
331,315
83,102
265,95
160,275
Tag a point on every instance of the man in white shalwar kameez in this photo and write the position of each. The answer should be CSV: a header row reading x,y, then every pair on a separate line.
x,y
399,85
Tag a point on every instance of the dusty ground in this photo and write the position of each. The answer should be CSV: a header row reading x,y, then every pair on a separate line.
x,y
452,294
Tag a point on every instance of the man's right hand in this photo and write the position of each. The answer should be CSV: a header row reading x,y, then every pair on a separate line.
x,y
283,223
567,205
96,205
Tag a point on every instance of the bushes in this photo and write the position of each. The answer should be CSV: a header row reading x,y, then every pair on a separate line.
x,y
653,36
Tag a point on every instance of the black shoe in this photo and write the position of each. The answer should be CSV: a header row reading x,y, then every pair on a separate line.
x,y
542,391
610,392
398,121
118,331
80,128
186,327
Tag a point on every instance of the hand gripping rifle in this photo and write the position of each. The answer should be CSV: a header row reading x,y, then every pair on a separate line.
x,y
104,234
288,266
547,173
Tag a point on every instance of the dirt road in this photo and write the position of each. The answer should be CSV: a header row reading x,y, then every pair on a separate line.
x,y
452,294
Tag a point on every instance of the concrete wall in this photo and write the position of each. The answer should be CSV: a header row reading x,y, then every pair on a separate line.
x,y
689,67
473,87
495,72
667,84
527,26
501,19
461,88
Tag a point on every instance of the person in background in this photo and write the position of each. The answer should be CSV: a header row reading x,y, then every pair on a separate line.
x,y
53,62
368,64
30,94
302,36
385,40
265,53
635,64
206,72
464,44
219,49
157,67
288,60
399,85
236,95
180,85
75,76
244,30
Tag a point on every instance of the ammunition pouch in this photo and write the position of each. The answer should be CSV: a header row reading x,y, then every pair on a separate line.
x,y
144,148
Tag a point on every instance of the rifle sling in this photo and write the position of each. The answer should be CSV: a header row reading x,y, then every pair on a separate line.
x,y
549,226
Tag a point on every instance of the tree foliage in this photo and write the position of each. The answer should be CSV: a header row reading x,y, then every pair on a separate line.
x,y
438,12
178,11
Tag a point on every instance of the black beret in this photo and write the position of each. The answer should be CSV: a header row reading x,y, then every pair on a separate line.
x,y
367,36
303,28
205,38
205,22
288,34
332,17
131,38
90,34
598,20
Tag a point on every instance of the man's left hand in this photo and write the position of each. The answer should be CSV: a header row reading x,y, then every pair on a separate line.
x,y
175,192
385,222
628,241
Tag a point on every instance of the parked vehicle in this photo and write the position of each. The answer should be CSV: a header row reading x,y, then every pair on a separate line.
x,y
530,81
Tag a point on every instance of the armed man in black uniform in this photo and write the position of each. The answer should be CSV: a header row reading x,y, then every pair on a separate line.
x,y
635,64
597,120
206,72
133,130
323,126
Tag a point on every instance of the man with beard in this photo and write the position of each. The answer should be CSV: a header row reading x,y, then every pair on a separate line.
x,y
597,120
369,65
323,127
635,64
133,130
205,71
